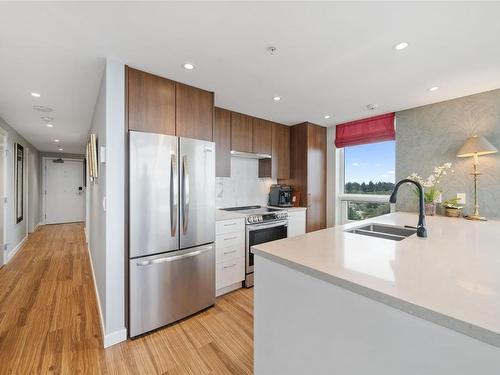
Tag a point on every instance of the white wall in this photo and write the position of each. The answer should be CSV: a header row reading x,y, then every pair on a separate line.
x,y
16,232
105,204
34,190
244,187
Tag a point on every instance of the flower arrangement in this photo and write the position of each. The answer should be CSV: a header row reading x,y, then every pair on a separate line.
x,y
431,184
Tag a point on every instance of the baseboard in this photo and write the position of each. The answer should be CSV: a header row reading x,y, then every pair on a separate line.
x,y
36,226
228,289
14,251
110,338
115,337
96,292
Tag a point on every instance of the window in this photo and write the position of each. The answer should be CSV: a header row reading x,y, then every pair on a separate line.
x,y
366,180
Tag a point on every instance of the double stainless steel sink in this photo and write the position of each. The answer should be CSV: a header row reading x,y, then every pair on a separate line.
x,y
389,232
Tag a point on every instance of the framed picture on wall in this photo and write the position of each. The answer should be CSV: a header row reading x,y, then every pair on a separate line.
x,y
92,157
19,182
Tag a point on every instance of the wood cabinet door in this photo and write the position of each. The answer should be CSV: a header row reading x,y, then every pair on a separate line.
x,y
222,139
262,136
241,132
281,151
194,110
150,102
316,178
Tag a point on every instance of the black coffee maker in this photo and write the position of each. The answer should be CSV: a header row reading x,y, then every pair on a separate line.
x,y
280,195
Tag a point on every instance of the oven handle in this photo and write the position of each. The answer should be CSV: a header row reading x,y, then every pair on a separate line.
x,y
252,227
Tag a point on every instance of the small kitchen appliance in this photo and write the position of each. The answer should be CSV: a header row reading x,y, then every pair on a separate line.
x,y
280,195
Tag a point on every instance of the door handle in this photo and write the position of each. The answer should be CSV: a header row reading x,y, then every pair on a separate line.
x,y
185,193
174,258
173,195
231,266
229,252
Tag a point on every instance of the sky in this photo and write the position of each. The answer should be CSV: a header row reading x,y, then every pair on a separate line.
x,y
372,162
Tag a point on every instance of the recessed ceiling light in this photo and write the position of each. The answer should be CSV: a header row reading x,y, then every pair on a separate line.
x,y
61,149
188,66
327,116
276,98
35,94
47,118
372,107
42,108
434,88
49,125
400,46
56,140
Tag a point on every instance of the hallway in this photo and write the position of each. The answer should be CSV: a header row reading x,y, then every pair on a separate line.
x,y
49,320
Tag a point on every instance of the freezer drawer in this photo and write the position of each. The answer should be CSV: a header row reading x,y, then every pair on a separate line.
x,y
168,287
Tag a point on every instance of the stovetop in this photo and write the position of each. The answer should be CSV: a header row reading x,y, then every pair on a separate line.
x,y
251,210
259,214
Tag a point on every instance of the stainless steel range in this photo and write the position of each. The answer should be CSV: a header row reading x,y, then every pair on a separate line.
x,y
263,224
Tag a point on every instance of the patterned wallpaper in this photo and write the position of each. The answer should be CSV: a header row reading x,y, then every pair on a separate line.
x,y
431,135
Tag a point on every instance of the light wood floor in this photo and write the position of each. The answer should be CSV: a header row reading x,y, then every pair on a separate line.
x,y
49,320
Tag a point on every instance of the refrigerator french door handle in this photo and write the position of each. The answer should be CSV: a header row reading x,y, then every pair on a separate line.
x,y
174,197
174,258
185,194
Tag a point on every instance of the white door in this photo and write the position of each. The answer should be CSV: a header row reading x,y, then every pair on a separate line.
x,y
64,193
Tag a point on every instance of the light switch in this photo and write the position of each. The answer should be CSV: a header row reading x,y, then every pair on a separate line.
x,y
102,154
461,198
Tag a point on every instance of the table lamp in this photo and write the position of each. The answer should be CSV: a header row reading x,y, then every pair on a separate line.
x,y
476,146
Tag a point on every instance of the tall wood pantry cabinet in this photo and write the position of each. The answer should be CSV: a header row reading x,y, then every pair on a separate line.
x,y
308,171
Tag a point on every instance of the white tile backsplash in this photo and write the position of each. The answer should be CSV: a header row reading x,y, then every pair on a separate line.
x,y
244,187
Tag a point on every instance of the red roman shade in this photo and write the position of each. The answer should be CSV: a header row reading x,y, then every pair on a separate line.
x,y
369,130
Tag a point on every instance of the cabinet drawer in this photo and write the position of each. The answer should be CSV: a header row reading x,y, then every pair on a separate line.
x,y
229,246
229,226
230,272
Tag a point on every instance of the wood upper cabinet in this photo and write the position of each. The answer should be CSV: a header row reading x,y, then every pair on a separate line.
x,y
194,110
222,139
241,132
150,102
278,166
262,136
281,151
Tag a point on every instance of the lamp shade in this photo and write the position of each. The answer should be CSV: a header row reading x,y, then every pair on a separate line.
x,y
476,145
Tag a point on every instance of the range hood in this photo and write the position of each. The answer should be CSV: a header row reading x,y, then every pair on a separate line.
x,y
249,155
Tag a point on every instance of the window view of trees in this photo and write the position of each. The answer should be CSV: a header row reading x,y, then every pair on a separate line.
x,y
381,188
369,169
366,210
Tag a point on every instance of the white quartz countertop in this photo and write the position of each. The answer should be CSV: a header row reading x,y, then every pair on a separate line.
x,y
221,215
451,278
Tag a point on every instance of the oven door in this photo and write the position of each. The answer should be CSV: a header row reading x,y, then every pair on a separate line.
x,y
260,233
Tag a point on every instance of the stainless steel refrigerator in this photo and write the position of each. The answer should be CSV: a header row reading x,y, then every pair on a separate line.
x,y
171,229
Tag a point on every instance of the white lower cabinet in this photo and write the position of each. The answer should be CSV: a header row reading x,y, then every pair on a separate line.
x,y
229,255
229,272
296,223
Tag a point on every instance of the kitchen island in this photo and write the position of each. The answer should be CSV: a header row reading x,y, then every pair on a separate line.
x,y
333,302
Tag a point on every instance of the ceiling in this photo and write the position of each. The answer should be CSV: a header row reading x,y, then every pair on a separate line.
x,y
332,58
